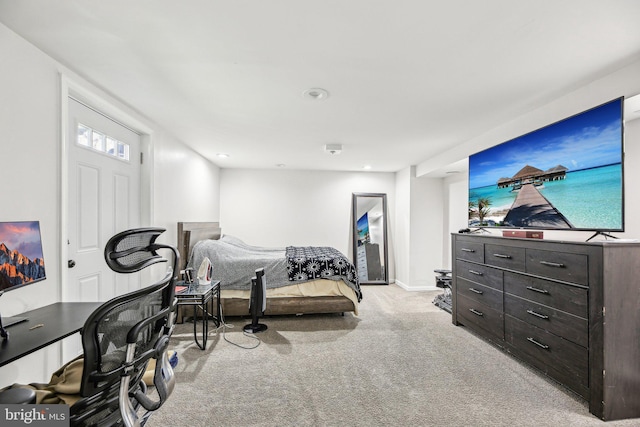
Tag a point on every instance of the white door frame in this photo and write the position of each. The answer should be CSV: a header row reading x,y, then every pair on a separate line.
x,y
119,112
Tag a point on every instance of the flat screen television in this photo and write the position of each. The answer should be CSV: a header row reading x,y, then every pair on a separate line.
x,y
564,176
21,257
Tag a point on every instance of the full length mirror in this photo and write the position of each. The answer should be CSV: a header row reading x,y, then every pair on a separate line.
x,y
370,237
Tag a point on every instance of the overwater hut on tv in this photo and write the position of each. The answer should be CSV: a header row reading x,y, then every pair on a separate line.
x,y
533,175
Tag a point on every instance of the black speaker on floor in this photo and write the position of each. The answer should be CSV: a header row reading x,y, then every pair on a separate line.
x,y
258,302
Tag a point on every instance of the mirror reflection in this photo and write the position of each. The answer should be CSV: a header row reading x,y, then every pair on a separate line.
x,y
370,237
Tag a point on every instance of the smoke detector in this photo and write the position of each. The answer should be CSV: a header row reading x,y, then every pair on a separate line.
x,y
333,148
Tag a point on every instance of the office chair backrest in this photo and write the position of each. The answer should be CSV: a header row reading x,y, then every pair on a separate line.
x,y
133,250
122,335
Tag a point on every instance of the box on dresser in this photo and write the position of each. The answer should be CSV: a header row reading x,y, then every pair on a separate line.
x,y
528,234
545,302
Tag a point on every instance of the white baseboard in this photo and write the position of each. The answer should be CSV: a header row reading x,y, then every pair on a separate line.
x,y
416,288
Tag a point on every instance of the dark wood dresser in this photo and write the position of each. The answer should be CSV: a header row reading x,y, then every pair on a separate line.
x,y
569,309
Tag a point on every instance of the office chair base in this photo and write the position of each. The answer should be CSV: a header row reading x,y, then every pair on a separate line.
x,y
252,329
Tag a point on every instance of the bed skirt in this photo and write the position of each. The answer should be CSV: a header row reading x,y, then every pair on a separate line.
x,y
313,297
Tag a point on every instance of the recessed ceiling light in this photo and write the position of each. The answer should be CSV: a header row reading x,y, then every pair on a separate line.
x,y
316,94
280,165
366,167
223,155
452,172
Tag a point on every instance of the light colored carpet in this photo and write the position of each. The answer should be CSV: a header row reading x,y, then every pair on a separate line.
x,y
401,362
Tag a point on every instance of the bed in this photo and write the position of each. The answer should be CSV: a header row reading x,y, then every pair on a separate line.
x,y
298,278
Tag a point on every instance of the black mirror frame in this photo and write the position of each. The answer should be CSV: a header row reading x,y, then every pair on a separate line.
x,y
354,234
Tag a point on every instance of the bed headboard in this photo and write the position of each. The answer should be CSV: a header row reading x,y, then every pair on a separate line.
x,y
189,233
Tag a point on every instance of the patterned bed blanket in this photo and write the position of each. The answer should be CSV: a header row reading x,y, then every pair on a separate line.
x,y
321,262
234,263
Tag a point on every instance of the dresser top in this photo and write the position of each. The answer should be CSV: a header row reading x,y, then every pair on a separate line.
x,y
611,242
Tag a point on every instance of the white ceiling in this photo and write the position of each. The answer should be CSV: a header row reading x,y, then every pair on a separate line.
x,y
407,79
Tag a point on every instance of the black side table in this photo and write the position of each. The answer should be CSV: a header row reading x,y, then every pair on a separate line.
x,y
199,296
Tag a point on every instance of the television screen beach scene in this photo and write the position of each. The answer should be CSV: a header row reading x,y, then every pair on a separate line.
x,y
568,175
363,229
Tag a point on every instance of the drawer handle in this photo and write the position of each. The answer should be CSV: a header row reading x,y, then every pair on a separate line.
x,y
539,344
477,273
502,256
467,250
476,291
552,264
476,312
542,291
533,313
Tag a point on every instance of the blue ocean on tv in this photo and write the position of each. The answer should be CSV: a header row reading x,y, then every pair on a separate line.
x,y
588,198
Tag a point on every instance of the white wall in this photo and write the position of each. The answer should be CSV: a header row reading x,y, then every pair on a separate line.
x,y
402,235
632,179
455,208
29,141
186,186
427,214
419,204
30,144
298,208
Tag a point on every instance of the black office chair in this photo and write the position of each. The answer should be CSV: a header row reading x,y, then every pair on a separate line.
x,y
119,339
122,335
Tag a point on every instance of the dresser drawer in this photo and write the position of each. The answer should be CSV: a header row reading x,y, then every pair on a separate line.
x,y
572,299
560,323
509,257
482,274
558,358
470,251
558,265
480,293
480,317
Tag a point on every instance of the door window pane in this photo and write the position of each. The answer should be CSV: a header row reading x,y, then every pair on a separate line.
x,y
84,135
123,150
111,146
98,141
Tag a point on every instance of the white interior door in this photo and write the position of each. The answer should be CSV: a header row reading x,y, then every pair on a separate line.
x,y
104,199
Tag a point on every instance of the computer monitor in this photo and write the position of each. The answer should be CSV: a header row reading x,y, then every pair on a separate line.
x,y
21,258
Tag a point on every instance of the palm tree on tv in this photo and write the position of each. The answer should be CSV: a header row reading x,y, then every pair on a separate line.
x,y
480,208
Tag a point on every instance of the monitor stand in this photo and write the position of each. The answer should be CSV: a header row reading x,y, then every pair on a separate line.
x,y
10,321
479,230
601,233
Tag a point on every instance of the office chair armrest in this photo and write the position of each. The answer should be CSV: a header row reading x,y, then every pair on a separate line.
x,y
163,378
17,396
133,334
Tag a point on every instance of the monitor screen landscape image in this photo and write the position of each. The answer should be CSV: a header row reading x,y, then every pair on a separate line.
x,y
568,175
21,258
